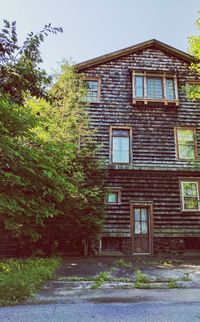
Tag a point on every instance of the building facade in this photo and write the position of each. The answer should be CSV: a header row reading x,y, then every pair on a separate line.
x,y
149,135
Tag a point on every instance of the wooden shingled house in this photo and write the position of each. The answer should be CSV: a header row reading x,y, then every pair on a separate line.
x,y
149,131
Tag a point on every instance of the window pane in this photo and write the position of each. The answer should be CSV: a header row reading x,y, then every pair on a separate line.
x,y
138,228
144,214
154,87
144,228
121,149
191,203
185,135
137,214
92,85
170,94
113,197
120,132
92,96
190,189
186,152
139,86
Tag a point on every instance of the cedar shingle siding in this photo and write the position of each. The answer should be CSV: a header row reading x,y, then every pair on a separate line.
x,y
154,173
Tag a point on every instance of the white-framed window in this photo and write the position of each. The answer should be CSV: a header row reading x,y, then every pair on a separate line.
x,y
93,87
155,87
190,195
186,145
120,142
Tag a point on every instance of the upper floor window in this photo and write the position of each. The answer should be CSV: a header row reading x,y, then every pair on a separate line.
x,y
154,87
120,145
190,195
93,90
186,148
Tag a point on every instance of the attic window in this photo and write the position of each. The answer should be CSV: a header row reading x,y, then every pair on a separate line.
x,y
154,87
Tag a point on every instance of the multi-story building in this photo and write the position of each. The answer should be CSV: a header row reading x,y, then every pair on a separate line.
x,y
149,132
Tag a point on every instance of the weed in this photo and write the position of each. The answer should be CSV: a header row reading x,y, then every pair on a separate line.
x,y
122,263
172,283
186,277
100,279
141,280
141,277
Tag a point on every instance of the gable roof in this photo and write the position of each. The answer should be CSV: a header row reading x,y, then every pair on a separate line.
x,y
129,50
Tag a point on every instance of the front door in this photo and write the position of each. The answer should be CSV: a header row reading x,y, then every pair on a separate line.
x,y
141,229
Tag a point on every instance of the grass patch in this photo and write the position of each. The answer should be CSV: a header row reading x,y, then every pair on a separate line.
x,y
21,278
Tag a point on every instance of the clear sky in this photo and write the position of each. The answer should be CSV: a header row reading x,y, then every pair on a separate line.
x,y
96,27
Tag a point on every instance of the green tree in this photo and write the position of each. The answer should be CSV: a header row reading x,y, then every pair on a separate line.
x,y
19,63
48,170
194,49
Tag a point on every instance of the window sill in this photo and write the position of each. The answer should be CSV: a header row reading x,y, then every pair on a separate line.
x,y
146,101
190,210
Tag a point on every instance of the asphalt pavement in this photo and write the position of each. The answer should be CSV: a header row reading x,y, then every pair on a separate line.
x,y
115,312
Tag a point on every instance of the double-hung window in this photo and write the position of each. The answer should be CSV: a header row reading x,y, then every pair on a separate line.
x,y
120,145
154,87
93,90
190,195
186,147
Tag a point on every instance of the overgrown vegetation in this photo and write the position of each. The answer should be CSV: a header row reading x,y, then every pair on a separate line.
x,y
47,151
20,279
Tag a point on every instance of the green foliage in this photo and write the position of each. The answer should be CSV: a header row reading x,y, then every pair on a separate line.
x,y
172,283
193,91
43,171
141,279
100,279
19,279
19,64
122,263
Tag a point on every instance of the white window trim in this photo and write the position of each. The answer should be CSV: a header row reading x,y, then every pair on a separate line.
x,y
182,195
111,144
194,140
145,99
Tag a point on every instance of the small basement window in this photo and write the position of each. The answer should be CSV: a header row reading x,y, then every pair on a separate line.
x,y
154,87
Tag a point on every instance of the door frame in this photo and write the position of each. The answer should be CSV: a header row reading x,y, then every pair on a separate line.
x,y
148,205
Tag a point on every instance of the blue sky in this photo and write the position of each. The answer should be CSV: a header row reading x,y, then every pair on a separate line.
x,y
96,27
